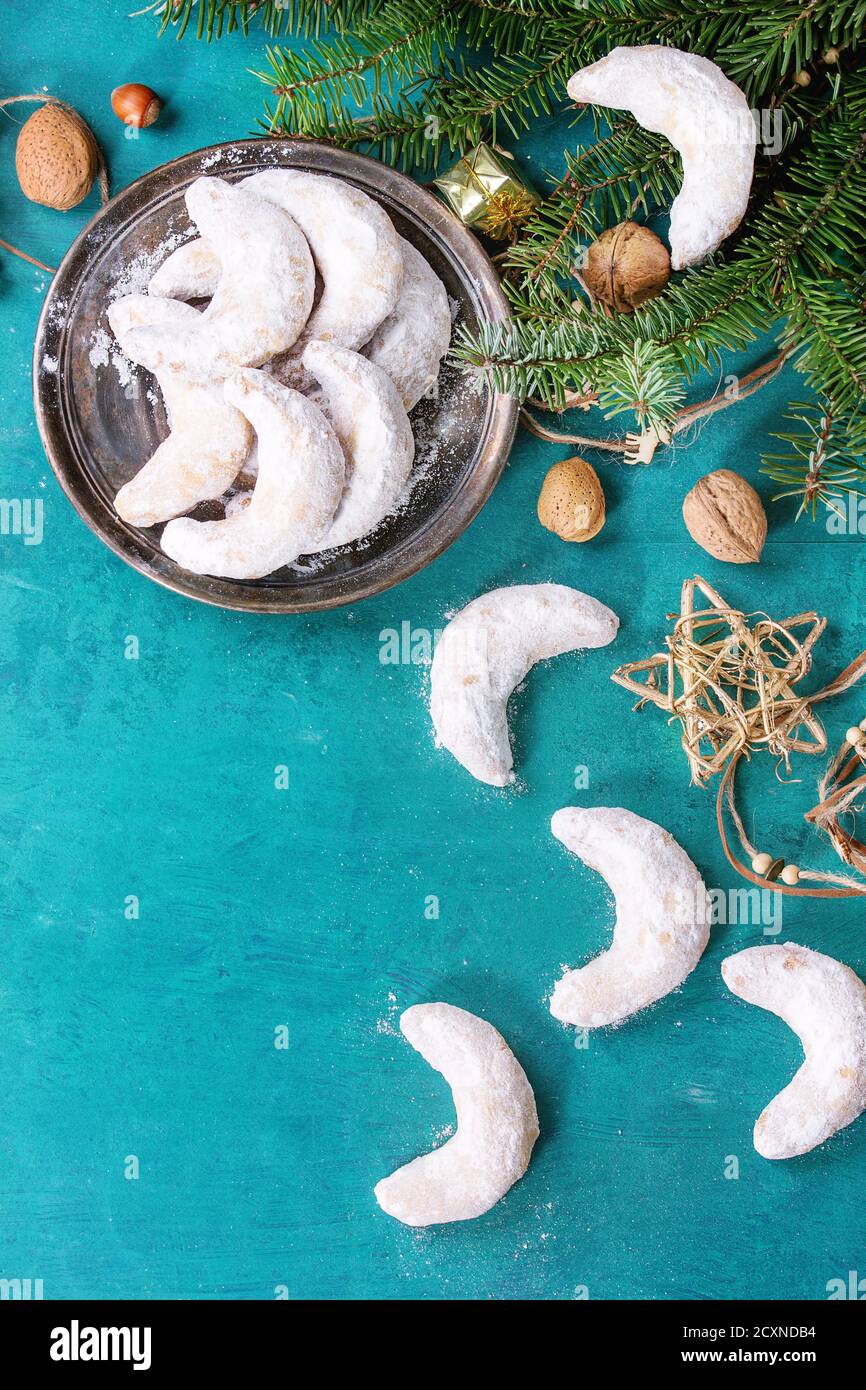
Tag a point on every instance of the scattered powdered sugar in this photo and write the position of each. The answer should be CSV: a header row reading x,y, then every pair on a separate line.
x,y
388,1023
224,154
138,271
100,350
105,351
58,311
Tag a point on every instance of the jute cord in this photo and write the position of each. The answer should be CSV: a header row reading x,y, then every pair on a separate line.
x,y
629,444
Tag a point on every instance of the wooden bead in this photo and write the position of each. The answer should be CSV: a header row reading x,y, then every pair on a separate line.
x,y
790,875
855,736
761,863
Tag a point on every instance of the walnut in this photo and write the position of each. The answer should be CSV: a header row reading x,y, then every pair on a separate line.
x,y
626,266
724,514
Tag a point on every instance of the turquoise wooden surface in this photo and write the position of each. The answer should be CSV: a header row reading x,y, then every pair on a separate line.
x,y
304,908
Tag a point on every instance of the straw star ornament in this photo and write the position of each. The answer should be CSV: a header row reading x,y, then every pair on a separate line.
x,y
730,680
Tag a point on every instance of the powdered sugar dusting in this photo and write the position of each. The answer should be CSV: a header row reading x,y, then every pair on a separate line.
x,y
105,352
387,1024
138,271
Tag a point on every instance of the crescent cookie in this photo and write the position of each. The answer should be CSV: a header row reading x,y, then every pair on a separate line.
x,y
265,287
410,343
488,649
209,439
688,99
354,245
825,1004
663,915
353,242
497,1122
299,483
367,414
190,272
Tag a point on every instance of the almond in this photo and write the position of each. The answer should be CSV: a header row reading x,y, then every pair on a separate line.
x,y
571,502
56,158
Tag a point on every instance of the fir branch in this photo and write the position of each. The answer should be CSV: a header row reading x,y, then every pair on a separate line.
x,y
408,81
646,382
826,325
627,168
397,43
390,61
815,222
819,465
805,232
303,18
462,104
712,311
779,40
396,129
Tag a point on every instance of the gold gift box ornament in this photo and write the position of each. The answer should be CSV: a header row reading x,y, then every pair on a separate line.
x,y
486,194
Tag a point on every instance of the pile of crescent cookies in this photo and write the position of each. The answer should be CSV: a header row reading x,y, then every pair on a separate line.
x,y
290,389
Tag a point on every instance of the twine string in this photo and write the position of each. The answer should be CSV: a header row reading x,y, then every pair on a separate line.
x,y
685,417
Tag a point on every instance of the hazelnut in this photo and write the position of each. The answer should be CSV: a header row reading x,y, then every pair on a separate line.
x,y
135,105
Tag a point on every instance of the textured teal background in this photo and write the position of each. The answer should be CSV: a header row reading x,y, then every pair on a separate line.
x,y
306,907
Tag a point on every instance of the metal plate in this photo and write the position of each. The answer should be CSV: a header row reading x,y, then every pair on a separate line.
x,y
98,428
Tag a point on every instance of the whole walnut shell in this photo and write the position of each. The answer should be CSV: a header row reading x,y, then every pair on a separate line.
x,y
56,157
626,266
724,514
571,501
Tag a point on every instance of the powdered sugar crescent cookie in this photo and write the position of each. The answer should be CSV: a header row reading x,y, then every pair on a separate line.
x,y
299,483
265,287
488,649
190,272
138,310
662,915
707,119
410,343
825,1004
364,407
354,245
497,1123
209,439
